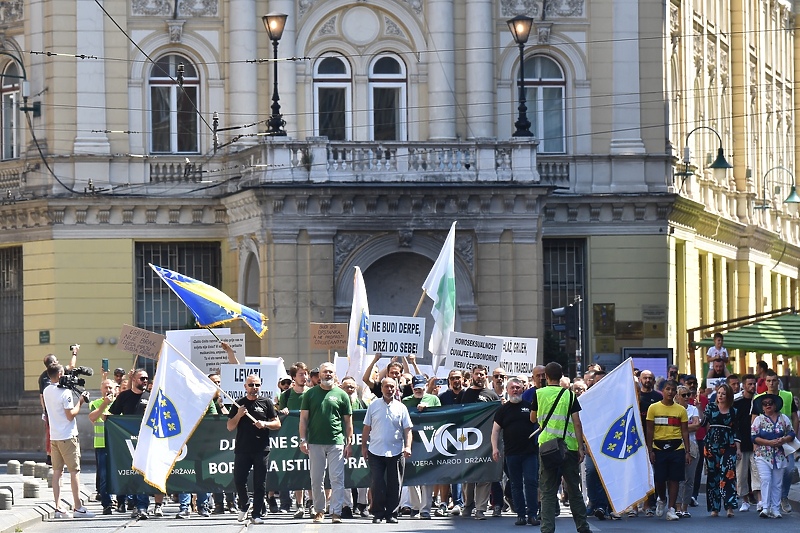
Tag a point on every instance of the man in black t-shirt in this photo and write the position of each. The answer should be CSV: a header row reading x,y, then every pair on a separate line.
x,y
134,402
521,452
748,482
476,495
252,446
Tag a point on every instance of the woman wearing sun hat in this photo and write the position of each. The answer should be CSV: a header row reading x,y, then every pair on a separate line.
x,y
770,430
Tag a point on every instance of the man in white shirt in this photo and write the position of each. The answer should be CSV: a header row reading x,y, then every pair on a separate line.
x,y
386,442
61,411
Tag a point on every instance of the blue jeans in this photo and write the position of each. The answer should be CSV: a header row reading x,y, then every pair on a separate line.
x,y
787,477
142,501
457,494
101,477
594,487
185,499
523,472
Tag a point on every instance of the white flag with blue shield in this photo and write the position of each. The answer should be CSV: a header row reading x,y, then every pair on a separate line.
x,y
614,436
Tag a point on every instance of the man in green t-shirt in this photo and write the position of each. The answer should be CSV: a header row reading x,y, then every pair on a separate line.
x,y
422,495
326,434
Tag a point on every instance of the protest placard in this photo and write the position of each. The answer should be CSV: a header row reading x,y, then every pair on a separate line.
x,y
208,355
328,336
465,351
519,355
140,342
396,335
233,377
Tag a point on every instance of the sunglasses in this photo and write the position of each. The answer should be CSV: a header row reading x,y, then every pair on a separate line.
x,y
144,378
686,395
766,403
254,385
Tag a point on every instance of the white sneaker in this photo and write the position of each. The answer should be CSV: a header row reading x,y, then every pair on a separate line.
x,y
242,515
659,508
83,512
257,520
158,510
776,514
60,513
759,507
456,510
671,514
744,507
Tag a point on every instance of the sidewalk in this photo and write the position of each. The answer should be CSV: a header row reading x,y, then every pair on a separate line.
x,y
27,512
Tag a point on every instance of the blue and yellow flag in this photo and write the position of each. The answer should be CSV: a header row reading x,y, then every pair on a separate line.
x,y
180,397
211,307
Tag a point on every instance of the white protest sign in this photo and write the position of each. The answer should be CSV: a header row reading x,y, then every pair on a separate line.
x,y
519,355
233,377
465,351
341,363
181,339
207,354
396,335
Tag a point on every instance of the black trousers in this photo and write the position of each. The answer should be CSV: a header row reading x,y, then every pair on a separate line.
x,y
242,463
386,480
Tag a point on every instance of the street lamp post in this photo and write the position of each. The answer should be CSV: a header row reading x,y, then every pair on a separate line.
x,y
793,197
720,165
274,24
520,27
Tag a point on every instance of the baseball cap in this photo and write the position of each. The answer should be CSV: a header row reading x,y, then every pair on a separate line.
x,y
119,371
315,370
419,381
285,378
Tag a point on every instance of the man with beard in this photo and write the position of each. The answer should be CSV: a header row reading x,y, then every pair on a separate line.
x,y
748,482
521,452
455,392
133,401
386,443
326,434
252,446
422,495
477,494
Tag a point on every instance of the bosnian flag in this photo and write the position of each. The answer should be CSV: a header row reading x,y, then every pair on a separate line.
x,y
358,331
615,437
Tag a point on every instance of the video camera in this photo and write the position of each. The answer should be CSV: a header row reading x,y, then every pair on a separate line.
x,y
70,379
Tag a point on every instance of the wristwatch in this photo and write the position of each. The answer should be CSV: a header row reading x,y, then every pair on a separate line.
x,y
302,440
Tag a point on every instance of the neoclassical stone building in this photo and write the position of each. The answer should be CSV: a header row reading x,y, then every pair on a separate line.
x,y
134,132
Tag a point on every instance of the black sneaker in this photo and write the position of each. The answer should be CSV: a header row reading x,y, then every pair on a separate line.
x,y
273,505
347,513
108,510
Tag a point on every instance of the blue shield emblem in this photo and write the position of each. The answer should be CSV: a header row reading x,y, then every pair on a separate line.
x,y
163,419
622,439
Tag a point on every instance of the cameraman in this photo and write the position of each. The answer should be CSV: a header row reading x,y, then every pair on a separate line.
x,y
44,381
61,410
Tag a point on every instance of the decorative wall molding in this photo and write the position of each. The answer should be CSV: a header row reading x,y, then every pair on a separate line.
x,y
186,8
12,11
552,8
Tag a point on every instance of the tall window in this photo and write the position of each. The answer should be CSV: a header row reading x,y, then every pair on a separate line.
x,y
10,112
545,93
157,308
387,81
332,86
12,343
564,262
174,109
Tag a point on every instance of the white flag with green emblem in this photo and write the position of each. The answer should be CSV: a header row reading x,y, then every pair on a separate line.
x,y
440,286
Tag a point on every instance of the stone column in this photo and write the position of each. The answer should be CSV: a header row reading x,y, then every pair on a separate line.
x,y
441,70
245,23
90,79
480,29
626,115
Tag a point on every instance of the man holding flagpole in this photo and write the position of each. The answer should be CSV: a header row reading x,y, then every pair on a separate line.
x,y
252,446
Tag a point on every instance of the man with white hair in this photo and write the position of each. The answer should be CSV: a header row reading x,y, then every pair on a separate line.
x,y
326,434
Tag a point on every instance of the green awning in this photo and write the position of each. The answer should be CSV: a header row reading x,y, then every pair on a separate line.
x,y
777,335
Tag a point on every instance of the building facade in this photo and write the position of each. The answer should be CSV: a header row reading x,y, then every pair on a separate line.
x,y
134,132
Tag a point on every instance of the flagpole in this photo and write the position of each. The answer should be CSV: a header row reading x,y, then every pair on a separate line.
x,y
228,396
421,299
212,332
